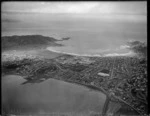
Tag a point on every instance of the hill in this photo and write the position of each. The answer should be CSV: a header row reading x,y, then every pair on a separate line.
x,y
27,41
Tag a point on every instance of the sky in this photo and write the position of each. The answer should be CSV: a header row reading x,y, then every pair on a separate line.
x,y
137,8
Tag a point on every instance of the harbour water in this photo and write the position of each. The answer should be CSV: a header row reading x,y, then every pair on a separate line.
x,y
49,96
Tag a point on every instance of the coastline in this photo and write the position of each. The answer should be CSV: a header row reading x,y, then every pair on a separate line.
x,y
100,89
95,88
128,54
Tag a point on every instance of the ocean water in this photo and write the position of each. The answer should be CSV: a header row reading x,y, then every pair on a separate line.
x,y
90,34
48,97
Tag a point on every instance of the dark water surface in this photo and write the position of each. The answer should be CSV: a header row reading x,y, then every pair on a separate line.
x,y
48,96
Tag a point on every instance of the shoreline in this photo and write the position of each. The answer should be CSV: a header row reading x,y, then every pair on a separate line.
x,y
95,88
100,89
128,54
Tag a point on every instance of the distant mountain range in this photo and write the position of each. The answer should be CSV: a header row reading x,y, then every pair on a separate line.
x,y
33,41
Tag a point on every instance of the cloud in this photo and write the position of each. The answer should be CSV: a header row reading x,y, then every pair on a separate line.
x,y
136,48
10,20
140,48
120,11
77,7
49,7
124,46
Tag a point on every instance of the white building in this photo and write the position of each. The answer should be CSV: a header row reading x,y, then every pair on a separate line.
x,y
103,74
